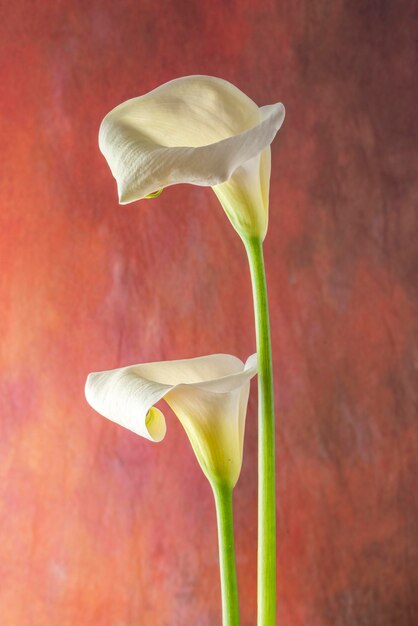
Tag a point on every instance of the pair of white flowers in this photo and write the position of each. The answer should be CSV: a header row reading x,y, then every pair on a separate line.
x,y
204,131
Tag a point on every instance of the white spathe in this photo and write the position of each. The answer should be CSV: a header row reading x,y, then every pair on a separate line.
x,y
208,394
200,130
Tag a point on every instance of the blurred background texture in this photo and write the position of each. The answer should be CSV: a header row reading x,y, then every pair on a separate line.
x,y
101,528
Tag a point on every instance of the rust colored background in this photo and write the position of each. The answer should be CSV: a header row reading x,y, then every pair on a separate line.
x,y
101,528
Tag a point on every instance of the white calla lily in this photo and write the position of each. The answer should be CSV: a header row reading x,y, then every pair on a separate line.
x,y
208,394
196,129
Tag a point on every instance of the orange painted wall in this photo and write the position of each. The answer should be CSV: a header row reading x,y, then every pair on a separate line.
x,y
100,528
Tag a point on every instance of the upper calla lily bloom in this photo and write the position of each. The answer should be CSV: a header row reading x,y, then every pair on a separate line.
x,y
200,130
208,394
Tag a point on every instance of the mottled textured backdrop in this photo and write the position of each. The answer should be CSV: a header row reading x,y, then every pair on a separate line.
x,y
101,528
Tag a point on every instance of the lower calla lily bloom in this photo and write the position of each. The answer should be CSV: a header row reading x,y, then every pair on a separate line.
x,y
208,394
200,130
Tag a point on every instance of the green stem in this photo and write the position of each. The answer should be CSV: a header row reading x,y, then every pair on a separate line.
x,y
266,572
229,588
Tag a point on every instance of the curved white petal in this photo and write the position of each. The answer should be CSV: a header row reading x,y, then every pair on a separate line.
x,y
126,398
200,130
208,394
245,196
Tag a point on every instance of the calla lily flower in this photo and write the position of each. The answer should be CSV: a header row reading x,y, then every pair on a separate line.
x,y
208,394
200,130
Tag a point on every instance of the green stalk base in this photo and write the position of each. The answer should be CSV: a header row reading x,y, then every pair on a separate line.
x,y
266,571
229,587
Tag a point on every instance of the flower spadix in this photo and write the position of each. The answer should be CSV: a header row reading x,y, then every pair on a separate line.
x,y
200,130
208,394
